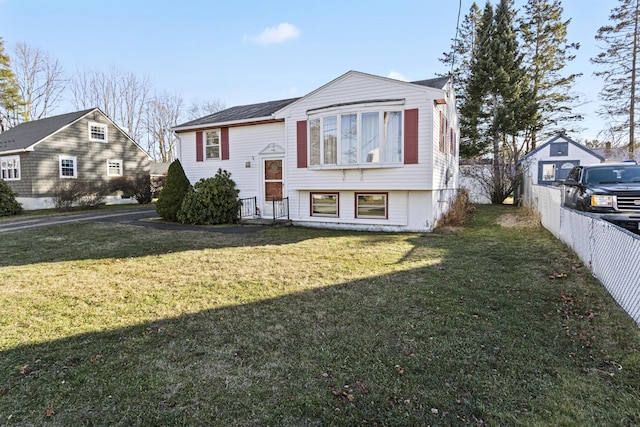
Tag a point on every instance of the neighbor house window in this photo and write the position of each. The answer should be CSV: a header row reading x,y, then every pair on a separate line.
x,y
114,167
68,167
324,204
10,168
371,205
97,132
549,172
212,144
372,137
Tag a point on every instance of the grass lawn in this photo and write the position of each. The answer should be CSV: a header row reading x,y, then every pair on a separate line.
x,y
104,324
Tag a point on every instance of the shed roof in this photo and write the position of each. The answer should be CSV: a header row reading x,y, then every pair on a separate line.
x,y
27,134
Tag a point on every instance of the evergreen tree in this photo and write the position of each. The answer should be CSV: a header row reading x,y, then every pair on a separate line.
x,y
620,59
498,103
175,188
473,106
463,51
8,203
547,52
10,100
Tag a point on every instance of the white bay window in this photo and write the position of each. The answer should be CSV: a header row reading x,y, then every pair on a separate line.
x,y
356,138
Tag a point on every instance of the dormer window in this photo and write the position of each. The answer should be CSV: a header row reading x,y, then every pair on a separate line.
x,y
97,132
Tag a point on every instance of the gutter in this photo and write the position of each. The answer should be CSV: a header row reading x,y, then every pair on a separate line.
x,y
232,123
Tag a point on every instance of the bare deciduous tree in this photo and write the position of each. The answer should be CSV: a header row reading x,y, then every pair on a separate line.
x,y
41,80
121,95
204,108
163,112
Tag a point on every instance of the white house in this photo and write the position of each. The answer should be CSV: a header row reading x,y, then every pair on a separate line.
x,y
551,162
360,152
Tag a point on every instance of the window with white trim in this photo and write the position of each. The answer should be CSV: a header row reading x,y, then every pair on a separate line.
x,y
97,132
356,138
68,167
114,167
371,205
212,144
10,168
325,204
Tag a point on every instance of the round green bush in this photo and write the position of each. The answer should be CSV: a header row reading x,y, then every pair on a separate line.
x,y
175,188
211,201
8,203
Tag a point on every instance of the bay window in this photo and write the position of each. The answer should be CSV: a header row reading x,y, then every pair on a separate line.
x,y
356,138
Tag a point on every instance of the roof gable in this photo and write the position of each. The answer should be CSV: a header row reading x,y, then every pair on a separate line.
x,y
26,135
437,84
562,138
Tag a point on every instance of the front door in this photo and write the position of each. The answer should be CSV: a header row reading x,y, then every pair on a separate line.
x,y
273,183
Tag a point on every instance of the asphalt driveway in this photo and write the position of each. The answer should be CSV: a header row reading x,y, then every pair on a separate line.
x,y
143,217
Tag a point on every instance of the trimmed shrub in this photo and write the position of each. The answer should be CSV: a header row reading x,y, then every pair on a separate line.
x,y
137,186
77,193
175,188
8,203
211,201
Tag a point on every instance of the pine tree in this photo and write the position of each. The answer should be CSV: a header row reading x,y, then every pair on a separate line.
x,y
473,111
175,188
498,102
547,52
620,59
10,100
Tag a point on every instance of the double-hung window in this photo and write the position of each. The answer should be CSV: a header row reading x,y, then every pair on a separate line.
x,y
114,167
97,132
10,168
356,138
68,167
212,144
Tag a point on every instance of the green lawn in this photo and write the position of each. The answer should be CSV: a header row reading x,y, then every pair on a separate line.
x,y
104,324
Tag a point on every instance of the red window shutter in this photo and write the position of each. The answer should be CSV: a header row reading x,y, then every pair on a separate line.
x,y
301,143
411,137
441,132
199,148
224,143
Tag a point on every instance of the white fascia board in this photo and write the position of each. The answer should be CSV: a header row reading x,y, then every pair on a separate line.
x,y
222,124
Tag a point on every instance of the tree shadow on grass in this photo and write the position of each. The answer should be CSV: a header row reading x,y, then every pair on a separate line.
x,y
416,347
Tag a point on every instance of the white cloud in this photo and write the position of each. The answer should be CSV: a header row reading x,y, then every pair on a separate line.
x,y
274,35
397,76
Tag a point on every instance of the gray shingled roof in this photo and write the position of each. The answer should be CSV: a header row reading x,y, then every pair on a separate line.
x,y
26,134
438,82
241,112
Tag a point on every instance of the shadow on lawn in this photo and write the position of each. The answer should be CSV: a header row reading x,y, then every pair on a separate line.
x,y
423,346
111,240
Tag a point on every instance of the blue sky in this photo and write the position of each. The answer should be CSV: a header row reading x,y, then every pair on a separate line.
x,y
248,51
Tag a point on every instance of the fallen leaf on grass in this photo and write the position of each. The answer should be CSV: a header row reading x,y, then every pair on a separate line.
x,y
4,392
24,369
399,369
50,412
557,276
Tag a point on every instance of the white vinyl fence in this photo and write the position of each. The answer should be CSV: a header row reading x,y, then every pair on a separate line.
x,y
612,254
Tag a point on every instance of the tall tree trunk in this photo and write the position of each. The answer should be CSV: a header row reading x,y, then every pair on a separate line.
x,y
632,103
